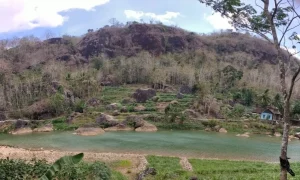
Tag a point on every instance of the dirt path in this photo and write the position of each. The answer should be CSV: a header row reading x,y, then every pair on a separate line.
x,y
185,164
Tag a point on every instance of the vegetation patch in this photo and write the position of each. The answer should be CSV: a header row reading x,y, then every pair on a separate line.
x,y
23,170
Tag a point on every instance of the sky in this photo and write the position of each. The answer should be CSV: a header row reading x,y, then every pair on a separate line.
x,y
40,18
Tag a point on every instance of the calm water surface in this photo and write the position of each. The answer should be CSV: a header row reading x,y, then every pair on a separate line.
x,y
180,143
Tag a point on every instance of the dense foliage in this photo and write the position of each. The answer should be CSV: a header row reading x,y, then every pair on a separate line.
x,y
22,170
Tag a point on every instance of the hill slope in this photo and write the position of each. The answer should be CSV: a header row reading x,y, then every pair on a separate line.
x,y
64,74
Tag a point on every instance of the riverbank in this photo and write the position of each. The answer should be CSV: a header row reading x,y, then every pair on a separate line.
x,y
175,168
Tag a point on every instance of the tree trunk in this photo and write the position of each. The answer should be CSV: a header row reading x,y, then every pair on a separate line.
x,y
285,138
286,95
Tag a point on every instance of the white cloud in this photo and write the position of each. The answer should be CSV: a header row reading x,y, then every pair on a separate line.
x,y
294,52
18,15
217,21
165,18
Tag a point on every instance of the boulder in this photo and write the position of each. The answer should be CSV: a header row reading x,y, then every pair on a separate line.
x,y
208,129
147,127
89,131
180,95
119,127
116,113
106,120
46,128
25,130
146,172
292,137
246,134
124,109
217,128
277,134
134,121
174,102
297,135
39,110
142,95
93,102
113,106
185,89
21,124
222,130
127,101
139,108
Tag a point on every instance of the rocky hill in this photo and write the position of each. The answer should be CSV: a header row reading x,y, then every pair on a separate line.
x,y
160,39
128,41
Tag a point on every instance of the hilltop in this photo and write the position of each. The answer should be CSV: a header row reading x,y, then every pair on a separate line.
x,y
128,41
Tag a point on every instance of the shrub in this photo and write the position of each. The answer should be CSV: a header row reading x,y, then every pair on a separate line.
x,y
210,123
98,170
238,110
22,170
172,111
79,105
58,104
97,63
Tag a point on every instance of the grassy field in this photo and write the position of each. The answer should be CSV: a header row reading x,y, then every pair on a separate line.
x,y
168,168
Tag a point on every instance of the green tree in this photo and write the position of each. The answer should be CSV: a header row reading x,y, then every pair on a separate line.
x,y
275,21
277,102
296,108
265,99
231,76
248,97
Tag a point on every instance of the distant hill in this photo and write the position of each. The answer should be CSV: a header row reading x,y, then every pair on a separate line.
x,y
130,40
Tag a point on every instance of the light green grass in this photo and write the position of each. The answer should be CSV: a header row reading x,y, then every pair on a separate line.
x,y
121,164
168,168
115,175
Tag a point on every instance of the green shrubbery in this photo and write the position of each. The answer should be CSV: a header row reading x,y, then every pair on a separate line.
x,y
60,124
22,170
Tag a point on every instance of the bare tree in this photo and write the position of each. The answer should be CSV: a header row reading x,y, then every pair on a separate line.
x,y
276,22
114,22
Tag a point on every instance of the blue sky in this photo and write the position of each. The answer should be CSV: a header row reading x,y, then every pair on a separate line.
x,y
39,17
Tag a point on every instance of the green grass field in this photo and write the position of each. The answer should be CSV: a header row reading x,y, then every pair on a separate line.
x,y
168,168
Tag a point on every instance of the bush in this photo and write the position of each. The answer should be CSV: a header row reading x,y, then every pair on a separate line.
x,y
236,113
60,124
97,63
22,170
58,104
79,105
99,170
172,111
210,123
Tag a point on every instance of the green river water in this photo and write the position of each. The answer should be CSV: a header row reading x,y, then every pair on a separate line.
x,y
197,144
